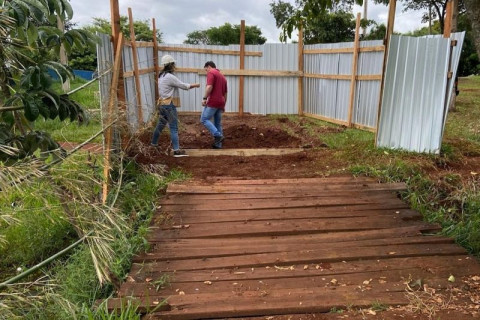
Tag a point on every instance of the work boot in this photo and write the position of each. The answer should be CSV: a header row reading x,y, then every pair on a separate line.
x,y
179,153
218,142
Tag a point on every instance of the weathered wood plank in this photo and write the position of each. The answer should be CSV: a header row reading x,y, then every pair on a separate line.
x,y
179,252
280,227
140,272
309,256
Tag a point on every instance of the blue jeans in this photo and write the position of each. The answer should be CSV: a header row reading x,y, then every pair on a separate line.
x,y
168,115
215,128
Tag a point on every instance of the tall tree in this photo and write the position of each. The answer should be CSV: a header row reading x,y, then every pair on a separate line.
x,y
326,27
473,13
225,35
306,13
439,8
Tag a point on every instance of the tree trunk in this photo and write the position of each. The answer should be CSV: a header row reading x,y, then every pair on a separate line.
x,y
473,13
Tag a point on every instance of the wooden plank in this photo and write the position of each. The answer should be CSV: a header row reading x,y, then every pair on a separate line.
x,y
227,72
277,228
336,121
192,217
343,50
319,188
251,303
180,252
210,51
341,236
366,77
241,152
395,277
242,67
331,179
304,193
356,45
433,264
138,89
250,204
310,257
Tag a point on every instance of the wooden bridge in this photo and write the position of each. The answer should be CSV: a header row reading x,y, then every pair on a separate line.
x,y
241,248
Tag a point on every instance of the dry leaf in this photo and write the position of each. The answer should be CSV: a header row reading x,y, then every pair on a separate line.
x,y
207,282
148,279
155,302
476,278
373,313
305,267
181,293
393,252
451,278
334,281
366,282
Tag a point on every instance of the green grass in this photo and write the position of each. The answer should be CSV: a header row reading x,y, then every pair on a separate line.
x,y
72,131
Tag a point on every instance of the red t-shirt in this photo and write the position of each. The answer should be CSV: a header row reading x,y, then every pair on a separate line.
x,y
216,99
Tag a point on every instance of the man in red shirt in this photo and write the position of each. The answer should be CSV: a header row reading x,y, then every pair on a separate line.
x,y
214,101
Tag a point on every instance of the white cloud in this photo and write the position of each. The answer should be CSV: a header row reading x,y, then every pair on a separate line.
x,y
175,19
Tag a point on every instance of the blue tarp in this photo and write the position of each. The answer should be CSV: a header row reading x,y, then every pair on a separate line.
x,y
84,74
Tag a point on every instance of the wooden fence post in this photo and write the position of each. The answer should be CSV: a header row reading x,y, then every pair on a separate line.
x,y
356,49
242,67
300,69
115,22
108,134
138,89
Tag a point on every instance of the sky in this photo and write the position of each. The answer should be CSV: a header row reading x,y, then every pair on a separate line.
x,y
176,18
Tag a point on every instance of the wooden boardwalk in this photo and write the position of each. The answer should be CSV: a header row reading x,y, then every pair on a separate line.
x,y
239,248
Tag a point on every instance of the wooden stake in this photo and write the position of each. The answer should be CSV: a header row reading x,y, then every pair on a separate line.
x,y
300,69
390,23
116,30
447,26
242,67
138,89
155,59
111,103
356,46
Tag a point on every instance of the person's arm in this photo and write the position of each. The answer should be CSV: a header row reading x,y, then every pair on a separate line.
x,y
208,90
175,82
194,85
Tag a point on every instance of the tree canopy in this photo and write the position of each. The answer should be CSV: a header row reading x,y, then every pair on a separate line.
x,y
225,35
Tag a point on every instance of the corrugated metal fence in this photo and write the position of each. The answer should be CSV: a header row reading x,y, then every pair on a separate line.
x,y
418,85
413,107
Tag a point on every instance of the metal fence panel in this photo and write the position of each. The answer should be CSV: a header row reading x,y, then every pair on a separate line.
x,y
413,101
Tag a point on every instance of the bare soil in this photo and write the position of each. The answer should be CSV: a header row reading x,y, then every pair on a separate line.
x,y
253,131
247,132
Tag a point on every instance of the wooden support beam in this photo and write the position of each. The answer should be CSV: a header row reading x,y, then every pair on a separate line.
x,y
116,30
227,72
336,121
343,50
241,152
210,51
447,26
155,58
353,81
138,89
242,67
300,70
108,134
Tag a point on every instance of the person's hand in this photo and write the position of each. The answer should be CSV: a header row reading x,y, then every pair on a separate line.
x,y
195,85
204,103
